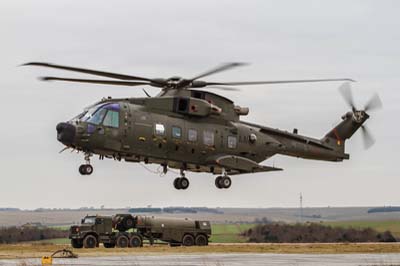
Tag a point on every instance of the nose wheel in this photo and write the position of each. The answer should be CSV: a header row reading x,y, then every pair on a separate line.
x,y
86,169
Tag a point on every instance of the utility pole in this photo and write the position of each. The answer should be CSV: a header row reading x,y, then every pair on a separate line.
x,y
301,207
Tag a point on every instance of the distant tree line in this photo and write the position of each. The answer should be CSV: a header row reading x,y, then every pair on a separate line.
x,y
8,209
384,209
14,234
312,233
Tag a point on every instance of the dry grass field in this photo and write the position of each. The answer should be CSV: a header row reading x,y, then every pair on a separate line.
x,y
39,250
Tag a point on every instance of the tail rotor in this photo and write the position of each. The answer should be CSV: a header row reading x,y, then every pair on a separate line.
x,y
360,116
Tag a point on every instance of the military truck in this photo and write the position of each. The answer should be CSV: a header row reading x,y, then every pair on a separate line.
x,y
126,230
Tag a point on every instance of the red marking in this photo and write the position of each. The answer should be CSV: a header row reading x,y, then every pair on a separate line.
x,y
337,134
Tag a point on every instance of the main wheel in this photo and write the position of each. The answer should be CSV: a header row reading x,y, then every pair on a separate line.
x,y
109,245
218,182
90,241
82,170
226,182
177,183
122,241
188,240
76,243
135,241
201,240
183,183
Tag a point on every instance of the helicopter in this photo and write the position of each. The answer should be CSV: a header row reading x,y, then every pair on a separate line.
x,y
191,129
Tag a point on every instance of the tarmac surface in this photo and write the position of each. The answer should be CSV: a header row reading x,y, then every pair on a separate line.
x,y
392,259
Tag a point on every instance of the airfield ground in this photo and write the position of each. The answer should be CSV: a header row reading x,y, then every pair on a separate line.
x,y
38,250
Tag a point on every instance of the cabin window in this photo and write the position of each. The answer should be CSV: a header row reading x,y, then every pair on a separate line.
x,y
111,119
208,138
232,142
176,132
160,129
192,135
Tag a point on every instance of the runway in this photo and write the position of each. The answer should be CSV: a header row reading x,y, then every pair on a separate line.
x,y
247,259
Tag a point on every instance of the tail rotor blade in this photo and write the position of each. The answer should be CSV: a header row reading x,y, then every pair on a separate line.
x,y
345,90
368,139
374,103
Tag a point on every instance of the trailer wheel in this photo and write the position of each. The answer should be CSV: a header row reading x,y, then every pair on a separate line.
x,y
122,241
76,243
135,241
90,241
201,240
188,240
109,245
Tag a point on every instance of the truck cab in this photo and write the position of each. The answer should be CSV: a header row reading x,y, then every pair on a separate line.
x,y
91,230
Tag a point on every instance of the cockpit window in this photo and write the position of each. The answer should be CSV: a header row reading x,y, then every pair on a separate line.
x,y
111,119
96,114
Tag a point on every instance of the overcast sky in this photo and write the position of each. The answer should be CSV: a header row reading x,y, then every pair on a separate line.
x,y
281,40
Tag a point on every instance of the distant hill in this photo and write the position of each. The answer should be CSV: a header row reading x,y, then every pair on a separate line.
x,y
384,209
8,209
177,210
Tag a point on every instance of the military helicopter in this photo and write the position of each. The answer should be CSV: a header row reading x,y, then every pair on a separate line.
x,y
191,129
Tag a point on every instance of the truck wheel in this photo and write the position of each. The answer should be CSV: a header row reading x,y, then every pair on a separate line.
x,y
122,241
201,240
90,241
135,241
76,243
109,245
188,240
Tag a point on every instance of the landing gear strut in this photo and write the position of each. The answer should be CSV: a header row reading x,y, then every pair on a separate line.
x,y
223,181
181,182
86,169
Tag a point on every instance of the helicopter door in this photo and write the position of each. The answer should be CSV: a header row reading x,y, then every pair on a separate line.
x,y
142,133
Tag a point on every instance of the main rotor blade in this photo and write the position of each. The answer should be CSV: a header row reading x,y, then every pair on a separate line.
x,y
345,90
220,68
224,88
89,71
274,82
98,81
374,103
368,139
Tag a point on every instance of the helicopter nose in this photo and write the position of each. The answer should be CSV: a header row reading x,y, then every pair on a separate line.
x,y
65,133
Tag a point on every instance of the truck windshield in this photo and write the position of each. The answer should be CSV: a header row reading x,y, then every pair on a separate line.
x,y
89,220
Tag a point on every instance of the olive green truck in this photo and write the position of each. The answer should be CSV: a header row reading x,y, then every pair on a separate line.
x,y
126,230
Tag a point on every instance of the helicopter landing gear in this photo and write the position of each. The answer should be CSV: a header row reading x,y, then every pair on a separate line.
x,y
223,181
86,169
181,182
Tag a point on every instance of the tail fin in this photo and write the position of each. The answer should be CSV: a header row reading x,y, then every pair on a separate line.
x,y
352,121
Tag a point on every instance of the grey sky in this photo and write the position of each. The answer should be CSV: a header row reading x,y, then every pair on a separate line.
x,y
282,40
